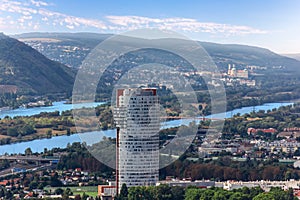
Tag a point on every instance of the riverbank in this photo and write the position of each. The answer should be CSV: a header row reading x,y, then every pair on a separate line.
x,y
54,124
22,124
38,144
46,125
59,106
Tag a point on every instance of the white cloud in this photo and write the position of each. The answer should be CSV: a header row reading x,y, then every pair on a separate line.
x,y
26,11
183,24
27,17
33,12
2,21
70,27
36,27
38,3
6,25
16,7
71,21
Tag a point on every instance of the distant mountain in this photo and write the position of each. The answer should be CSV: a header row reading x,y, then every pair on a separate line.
x,y
30,71
71,49
67,48
294,55
248,55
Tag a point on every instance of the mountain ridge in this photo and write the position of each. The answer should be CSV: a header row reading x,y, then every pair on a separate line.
x,y
222,54
293,55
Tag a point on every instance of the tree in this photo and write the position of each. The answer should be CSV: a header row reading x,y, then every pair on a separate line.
x,y
54,181
163,192
239,196
77,197
2,193
207,195
33,185
68,131
41,186
288,175
49,133
264,196
28,151
280,194
68,192
177,192
123,193
255,191
246,190
219,195
290,195
140,193
8,195
200,107
84,196
192,194
26,130
4,164
12,132
59,191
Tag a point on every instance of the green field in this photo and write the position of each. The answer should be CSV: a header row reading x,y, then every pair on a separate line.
x,y
89,190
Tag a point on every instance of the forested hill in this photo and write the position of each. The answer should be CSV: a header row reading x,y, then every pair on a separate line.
x,y
29,71
243,55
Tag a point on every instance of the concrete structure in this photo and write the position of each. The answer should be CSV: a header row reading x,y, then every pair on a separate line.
x,y
186,183
265,185
229,70
296,164
254,131
292,132
287,146
138,122
106,192
231,185
233,72
208,150
242,73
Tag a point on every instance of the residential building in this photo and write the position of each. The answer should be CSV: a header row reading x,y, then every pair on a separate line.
x,y
138,123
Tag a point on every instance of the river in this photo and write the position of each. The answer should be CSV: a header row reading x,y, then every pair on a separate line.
x,y
57,106
95,136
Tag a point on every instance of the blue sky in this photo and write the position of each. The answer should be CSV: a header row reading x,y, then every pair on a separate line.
x,y
273,24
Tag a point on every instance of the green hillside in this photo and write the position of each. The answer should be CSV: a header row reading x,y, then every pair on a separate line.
x,y
30,71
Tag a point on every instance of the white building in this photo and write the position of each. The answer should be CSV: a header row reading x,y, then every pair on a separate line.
x,y
185,183
233,72
137,119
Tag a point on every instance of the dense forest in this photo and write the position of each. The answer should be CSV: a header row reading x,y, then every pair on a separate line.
x,y
165,192
225,168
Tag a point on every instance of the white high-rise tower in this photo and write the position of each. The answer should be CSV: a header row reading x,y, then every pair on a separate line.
x,y
138,122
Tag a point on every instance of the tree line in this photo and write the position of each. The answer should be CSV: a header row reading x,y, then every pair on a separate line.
x,y
165,192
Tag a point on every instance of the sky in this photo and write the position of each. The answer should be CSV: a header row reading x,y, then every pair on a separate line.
x,y
272,24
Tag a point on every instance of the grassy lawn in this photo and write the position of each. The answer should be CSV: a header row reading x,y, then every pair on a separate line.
x,y
89,190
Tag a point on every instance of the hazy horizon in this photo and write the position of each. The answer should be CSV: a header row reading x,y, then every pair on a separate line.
x,y
268,24
67,32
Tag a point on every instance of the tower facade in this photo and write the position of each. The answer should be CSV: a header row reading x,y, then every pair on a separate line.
x,y
229,69
137,119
